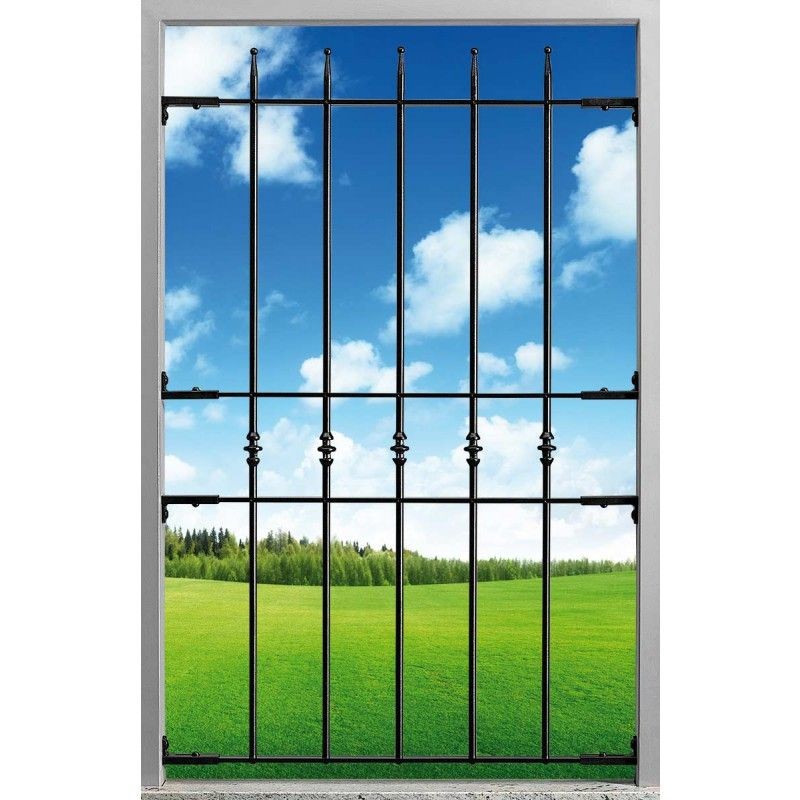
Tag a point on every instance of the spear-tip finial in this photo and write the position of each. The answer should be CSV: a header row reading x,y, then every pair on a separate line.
x,y
253,66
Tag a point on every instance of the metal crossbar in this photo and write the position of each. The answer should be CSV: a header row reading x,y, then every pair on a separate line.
x,y
399,447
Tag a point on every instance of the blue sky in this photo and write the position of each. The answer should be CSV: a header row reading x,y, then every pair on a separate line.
x,y
594,272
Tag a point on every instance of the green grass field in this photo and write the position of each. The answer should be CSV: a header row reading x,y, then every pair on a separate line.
x,y
593,625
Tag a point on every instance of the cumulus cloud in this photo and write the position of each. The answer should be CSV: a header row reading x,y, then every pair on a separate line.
x,y
509,467
214,412
179,303
580,271
274,300
176,470
357,367
202,365
181,419
437,283
603,207
490,364
214,61
175,348
529,358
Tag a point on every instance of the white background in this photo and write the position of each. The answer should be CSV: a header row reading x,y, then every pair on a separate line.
x,y
70,438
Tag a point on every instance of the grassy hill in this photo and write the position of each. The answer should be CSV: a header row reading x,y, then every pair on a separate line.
x,y
593,710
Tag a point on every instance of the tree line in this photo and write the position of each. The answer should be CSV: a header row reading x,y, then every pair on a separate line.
x,y
283,559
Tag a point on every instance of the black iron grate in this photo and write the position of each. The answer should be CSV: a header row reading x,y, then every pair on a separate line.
x,y
399,448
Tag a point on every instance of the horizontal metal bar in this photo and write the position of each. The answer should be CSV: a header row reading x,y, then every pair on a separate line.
x,y
609,500
213,758
610,394
610,102
191,758
586,102
603,758
191,499
171,101
192,394
434,500
213,394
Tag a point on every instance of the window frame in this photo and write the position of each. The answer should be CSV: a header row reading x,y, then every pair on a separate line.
x,y
156,15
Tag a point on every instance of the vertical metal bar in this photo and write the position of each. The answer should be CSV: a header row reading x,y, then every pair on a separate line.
x,y
326,448
473,448
253,447
546,447
399,448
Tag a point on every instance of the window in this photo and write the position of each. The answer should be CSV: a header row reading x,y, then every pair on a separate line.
x,y
456,391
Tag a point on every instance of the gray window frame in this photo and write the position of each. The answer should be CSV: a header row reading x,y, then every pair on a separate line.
x,y
156,15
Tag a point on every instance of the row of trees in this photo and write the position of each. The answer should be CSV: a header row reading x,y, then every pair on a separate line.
x,y
282,559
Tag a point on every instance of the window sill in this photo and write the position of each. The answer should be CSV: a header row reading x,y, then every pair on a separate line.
x,y
398,790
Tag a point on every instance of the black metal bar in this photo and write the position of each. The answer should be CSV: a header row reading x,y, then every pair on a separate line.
x,y
610,394
601,394
190,102
609,500
437,500
585,102
185,499
253,448
212,758
326,448
399,448
473,448
194,102
190,499
193,394
605,759
454,395
546,447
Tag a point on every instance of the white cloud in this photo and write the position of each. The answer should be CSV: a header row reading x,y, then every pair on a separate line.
x,y
281,146
214,412
437,285
530,358
177,470
179,303
357,366
214,61
276,299
202,365
604,204
181,419
509,467
490,364
575,273
175,349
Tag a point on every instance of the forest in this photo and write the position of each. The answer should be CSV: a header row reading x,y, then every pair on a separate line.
x,y
283,559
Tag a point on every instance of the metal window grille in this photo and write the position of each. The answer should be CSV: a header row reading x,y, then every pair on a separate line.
x,y
399,448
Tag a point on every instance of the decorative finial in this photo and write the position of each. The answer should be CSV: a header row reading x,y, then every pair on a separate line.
x,y
253,51
474,51
472,449
327,51
548,50
547,448
253,449
326,448
401,50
